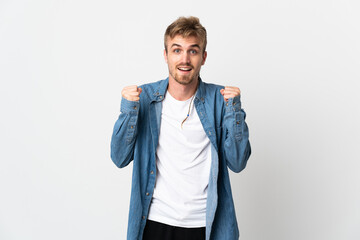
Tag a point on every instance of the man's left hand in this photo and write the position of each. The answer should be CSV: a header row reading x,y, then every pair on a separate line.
x,y
230,92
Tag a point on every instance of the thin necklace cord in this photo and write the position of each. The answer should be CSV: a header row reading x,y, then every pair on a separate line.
x,y
188,114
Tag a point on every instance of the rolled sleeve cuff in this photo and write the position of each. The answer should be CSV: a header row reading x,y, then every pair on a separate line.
x,y
233,104
130,107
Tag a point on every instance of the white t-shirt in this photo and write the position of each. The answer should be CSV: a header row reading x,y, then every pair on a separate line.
x,y
183,160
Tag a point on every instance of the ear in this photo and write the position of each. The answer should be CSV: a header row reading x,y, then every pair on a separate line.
x,y
204,58
165,56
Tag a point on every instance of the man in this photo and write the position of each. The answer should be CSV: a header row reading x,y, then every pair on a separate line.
x,y
182,135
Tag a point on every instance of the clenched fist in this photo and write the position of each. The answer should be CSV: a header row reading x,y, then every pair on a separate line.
x,y
131,93
230,92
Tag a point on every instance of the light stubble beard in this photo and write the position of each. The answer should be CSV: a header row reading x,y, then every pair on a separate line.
x,y
184,80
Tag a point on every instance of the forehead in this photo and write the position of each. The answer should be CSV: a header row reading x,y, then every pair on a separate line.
x,y
184,42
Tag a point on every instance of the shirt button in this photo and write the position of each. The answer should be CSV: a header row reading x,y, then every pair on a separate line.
x,y
147,194
143,217
135,107
152,172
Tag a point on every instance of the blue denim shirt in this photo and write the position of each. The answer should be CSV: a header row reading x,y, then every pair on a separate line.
x,y
135,138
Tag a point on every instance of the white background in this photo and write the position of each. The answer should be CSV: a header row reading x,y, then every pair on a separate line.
x,y
63,65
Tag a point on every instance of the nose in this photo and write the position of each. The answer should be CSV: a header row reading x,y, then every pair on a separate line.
x,y
185,57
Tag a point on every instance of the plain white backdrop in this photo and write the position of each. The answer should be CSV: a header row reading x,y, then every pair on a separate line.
x,y
63,65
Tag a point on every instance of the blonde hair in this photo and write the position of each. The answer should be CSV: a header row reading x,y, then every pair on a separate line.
x,y
186,27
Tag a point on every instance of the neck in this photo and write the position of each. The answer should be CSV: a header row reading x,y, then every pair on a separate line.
x,y
182,92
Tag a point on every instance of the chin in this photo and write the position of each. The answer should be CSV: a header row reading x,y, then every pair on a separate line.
x,y
184,80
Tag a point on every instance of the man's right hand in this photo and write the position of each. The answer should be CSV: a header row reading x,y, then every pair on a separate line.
x,y
131,93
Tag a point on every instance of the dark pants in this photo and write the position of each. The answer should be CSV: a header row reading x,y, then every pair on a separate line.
x,y
159,231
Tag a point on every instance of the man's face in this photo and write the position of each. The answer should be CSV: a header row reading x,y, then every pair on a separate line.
x,y
184,57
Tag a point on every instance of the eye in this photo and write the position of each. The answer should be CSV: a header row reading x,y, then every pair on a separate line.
x,y
193,52
176,50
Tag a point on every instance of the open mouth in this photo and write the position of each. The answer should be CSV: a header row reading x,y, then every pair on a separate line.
x,y
184,69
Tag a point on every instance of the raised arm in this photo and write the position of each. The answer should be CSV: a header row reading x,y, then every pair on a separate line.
x,y
125,129
237,148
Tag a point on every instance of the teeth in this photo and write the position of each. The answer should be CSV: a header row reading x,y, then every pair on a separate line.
x,y
185,69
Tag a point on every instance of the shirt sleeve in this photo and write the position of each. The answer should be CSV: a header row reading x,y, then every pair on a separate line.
x,y
237,148
124,133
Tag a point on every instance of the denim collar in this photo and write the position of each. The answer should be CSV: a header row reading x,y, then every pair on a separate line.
x,y
162,88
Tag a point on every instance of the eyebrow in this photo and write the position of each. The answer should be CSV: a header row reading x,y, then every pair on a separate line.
x,y
178,45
